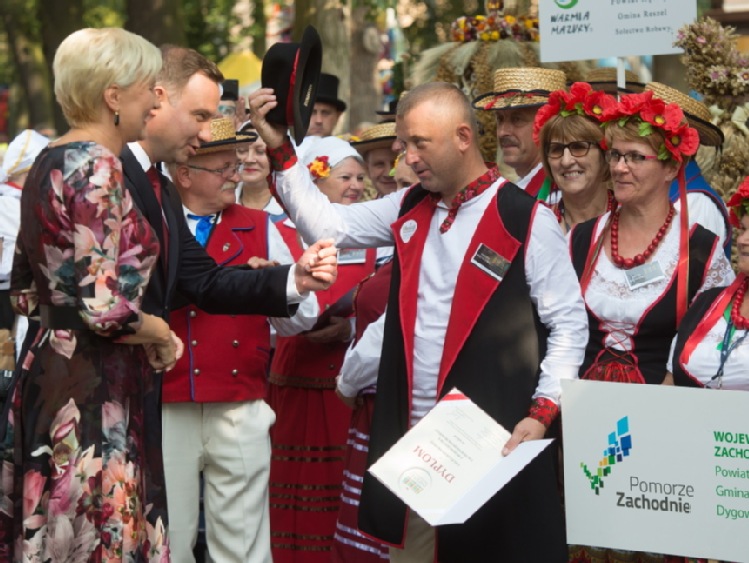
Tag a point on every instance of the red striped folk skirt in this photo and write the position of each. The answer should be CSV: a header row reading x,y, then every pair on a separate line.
x,y
350,545
308,448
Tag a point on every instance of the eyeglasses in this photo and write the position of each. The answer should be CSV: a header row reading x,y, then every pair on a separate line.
x,y
613,156
225,172
577,148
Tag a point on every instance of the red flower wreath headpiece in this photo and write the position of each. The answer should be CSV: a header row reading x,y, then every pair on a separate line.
x,y
580,100
738,205
649,112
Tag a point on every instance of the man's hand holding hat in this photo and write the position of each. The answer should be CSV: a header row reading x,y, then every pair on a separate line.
x,y
260,103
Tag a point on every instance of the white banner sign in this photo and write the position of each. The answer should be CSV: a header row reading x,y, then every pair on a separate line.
x,y
574,30
656,468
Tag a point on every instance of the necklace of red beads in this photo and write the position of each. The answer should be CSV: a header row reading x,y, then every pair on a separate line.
x,y
640,259
738,320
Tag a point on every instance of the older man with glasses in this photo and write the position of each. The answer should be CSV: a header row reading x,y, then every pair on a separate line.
x,y
215,419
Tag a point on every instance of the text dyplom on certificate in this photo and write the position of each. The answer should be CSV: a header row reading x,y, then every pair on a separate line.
x,y
450,463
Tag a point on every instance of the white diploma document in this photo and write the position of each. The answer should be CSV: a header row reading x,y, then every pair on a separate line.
x,y
450,463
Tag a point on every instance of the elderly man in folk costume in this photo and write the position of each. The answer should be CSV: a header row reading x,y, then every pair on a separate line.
x,y
517,96
215,420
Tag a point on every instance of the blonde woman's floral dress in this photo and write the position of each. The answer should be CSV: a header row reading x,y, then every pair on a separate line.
x,y
78,482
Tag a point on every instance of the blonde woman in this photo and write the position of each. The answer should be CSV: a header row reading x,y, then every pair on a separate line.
x,y
77,479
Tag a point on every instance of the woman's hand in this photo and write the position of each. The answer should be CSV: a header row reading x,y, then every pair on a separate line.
x,y
163,357
350,402
339,330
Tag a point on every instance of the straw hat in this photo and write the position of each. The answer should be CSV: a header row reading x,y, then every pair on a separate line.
x,y
380,136
223,136
696,112
604,78
521,88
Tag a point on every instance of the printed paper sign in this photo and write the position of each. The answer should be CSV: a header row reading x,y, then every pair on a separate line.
x,y
573,30
657,468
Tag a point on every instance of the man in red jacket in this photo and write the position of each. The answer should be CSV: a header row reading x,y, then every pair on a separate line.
x,y
215,420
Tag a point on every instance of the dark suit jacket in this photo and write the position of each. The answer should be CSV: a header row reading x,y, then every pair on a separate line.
x,y
188,273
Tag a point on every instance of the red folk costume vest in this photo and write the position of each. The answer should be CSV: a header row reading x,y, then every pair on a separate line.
x,y
298,362
226,356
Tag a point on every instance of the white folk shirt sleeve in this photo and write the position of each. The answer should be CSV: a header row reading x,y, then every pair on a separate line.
x,y
362,361
555,291
308,311
703,210
361,225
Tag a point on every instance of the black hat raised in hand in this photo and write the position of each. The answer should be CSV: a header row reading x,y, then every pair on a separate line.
x,y
292,70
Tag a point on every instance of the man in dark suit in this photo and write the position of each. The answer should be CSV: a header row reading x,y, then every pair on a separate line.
x,y
188,93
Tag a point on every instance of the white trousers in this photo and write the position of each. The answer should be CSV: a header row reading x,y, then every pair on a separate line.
x,y
229,443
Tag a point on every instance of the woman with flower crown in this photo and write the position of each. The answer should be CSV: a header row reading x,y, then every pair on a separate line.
x,y
640,266
568,130
712,349
309,438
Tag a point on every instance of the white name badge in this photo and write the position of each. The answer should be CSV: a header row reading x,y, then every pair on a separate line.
x,y
408,229
352,256
644,275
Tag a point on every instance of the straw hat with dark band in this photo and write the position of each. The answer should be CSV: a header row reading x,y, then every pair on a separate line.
x,y
696,112
521,88
604,78
224,137
380,136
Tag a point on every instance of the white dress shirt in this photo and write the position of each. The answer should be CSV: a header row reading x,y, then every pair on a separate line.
x,y
554,287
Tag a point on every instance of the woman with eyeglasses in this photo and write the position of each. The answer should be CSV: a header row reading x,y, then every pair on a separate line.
x,y
640,265
568,130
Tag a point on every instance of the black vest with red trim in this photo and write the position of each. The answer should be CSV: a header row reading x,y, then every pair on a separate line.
x,y
297,362
226,356
656,330
696,323
494,344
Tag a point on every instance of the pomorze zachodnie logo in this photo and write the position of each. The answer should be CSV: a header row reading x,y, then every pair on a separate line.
x,y
643,493
620,444
566,4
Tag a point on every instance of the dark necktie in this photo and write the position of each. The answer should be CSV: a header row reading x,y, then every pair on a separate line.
x,y
155,179
205,223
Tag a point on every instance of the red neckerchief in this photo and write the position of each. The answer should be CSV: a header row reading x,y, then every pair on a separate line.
x,y
475,188
14,185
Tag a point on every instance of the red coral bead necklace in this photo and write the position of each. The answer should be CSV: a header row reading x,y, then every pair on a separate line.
x,y
628,263
738,320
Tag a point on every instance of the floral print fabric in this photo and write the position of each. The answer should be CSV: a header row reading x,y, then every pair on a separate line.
x,y
80,480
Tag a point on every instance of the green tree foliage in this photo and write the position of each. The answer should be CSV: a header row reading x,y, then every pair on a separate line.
x,y
209,25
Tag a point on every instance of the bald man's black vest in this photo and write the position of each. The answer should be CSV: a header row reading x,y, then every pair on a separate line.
x,y
498,368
